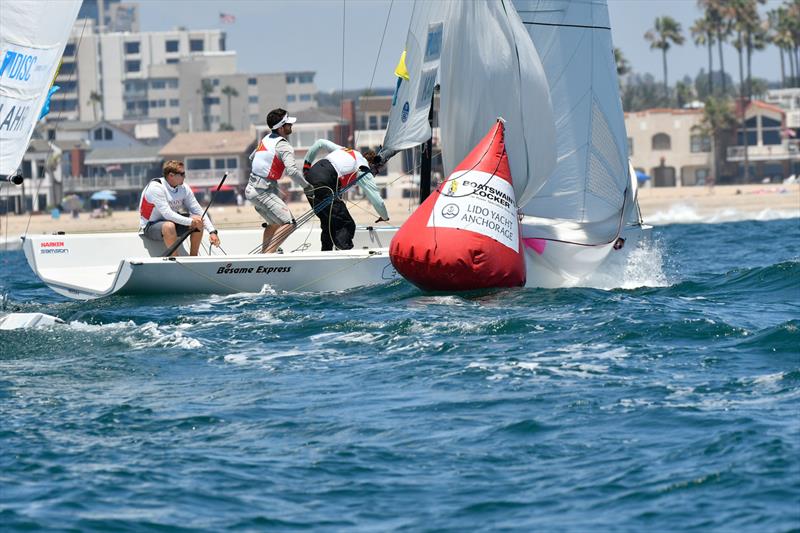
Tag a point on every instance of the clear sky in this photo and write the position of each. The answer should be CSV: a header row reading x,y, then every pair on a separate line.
x,y
280,35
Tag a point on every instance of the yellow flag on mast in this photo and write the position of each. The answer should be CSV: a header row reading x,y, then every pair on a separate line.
x,y
401,71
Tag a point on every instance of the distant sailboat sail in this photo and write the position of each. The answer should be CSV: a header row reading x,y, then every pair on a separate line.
x,y
487,66
33,34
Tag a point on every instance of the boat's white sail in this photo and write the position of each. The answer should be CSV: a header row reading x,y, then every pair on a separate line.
x,y
487,67
33,34
583,199
408,120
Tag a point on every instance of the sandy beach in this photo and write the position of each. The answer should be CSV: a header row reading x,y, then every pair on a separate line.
x,y
658,205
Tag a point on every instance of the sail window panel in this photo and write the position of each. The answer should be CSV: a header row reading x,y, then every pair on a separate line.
x,y
603,142
601,183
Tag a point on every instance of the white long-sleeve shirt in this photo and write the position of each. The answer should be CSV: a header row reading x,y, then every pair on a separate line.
x,y
160,201
366,183
285,151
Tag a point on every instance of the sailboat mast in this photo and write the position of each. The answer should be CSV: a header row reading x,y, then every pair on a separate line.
x,y
426,157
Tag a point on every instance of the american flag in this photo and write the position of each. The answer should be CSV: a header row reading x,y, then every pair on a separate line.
x,y
227,18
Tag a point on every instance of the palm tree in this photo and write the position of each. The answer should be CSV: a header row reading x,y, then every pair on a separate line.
x,y
666,31
703,34
623,67
792,28
229,91
96,99
206,88
718,119
744,18
715,14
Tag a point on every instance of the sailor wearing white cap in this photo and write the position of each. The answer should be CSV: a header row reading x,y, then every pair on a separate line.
x,y
273,158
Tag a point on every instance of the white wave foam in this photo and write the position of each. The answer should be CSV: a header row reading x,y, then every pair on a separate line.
x,y
687,214
641,266
148,335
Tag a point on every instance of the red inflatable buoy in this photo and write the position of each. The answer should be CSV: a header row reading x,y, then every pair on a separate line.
x,y
465,236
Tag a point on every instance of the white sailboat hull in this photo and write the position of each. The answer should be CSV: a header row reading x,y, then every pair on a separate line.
x,y
563,264
92,266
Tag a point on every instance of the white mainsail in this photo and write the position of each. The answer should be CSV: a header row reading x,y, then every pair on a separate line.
x,y
487,67
583,199
33,34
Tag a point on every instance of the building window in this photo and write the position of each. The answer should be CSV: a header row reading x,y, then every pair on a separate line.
x,y
158,84
291,98
196,45
51,135
132,47
661,141
222,42
198,164
103,134
69,50
172,61
174,102
171,46
305,97
630,146
700,143
174,121
66,69
252,81
384,122
291,78
373,122
306,78
233,162
252,99
133,65
215,82
771,131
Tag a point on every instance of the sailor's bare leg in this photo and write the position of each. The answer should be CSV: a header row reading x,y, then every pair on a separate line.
x,y
170,235
274,235
194,244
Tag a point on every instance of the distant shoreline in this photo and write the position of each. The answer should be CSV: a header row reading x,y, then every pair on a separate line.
x,y
658,205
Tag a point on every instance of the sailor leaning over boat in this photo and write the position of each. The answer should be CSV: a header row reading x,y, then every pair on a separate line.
x,y
338,169
168,209
274,157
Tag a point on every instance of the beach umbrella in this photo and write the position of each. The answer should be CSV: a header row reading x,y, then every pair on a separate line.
x,y
105,195
72,202
641,176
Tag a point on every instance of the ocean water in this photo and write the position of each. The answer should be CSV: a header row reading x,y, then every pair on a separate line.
x,y
668,400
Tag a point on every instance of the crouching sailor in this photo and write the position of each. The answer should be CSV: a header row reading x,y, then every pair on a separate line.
x,y
338,169
273,158
168,209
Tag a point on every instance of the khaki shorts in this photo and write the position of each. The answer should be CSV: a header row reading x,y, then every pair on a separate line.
x,y
268,203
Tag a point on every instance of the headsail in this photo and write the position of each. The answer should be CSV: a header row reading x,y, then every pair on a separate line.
x,y
33,34
488,67
587,190
408,120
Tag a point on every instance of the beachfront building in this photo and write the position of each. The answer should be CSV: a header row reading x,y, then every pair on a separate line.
x,y
207,156
185,79
773,149
663,144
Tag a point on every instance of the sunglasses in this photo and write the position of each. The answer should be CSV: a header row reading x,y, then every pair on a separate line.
x,y
180,174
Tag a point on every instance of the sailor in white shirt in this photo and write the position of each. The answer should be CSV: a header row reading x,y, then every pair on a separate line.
x,y
273,158
161,206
